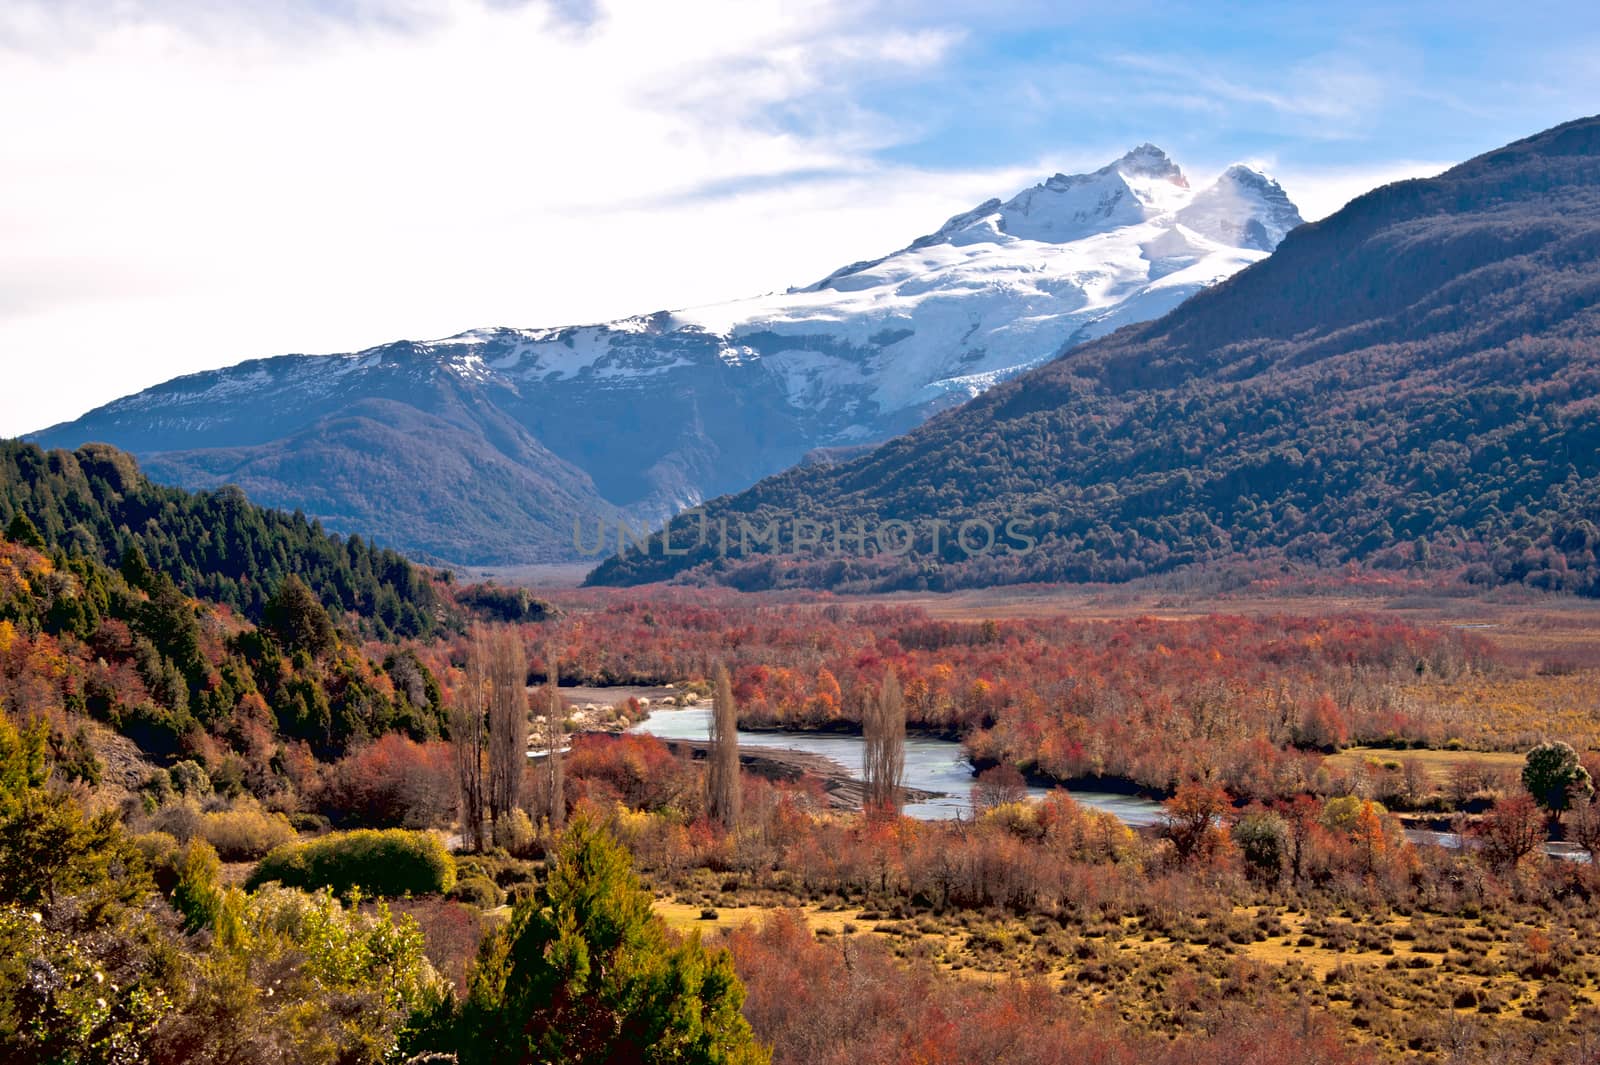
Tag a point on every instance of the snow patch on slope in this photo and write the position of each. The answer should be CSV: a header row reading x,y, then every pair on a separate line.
x,y
858,356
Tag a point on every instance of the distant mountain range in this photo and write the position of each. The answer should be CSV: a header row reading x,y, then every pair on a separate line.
x,y
1411,382
483,448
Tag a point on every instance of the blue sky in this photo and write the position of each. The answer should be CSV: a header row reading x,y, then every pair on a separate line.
x,y
195,182
1368,84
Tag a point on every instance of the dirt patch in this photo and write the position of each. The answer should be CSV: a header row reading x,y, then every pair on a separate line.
x,y
1436,764
589,708
123,767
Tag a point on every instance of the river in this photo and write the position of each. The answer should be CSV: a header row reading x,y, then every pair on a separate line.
x,y
931,764
941,766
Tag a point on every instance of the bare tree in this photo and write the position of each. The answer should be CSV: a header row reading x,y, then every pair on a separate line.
x,y
997,786
555,789
508,720
1583,824
722,758
883,723
467,735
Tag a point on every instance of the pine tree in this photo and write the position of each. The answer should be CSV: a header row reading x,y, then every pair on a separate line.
x,y
23,531
136,569
584,973
296,619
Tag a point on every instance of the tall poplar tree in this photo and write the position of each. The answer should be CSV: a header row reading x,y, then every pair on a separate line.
x,y
883,723
468,736
508,720
555,785
722,759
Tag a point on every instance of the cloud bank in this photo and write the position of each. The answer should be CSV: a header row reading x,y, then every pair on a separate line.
x,y
185,185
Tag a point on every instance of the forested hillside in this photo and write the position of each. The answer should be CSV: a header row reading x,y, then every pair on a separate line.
x,y
1411,382
200,626
179,677
95,503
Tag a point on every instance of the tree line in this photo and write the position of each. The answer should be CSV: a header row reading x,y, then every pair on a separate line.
x,y
94,503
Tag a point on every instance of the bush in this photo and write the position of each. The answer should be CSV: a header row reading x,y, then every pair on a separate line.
x,y
197,894
393,782
160,852
586,959
190,778
245,835
156,790
388,862
313,823
514,834
478,891
182,820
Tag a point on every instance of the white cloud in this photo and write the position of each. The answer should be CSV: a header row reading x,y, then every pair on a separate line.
x,y
188,183
183,190
1328,96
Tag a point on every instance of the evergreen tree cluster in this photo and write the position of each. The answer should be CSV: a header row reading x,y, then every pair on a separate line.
x,y
94,503
130,649
584,972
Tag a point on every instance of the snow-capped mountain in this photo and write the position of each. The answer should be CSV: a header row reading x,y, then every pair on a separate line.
x,y
647,415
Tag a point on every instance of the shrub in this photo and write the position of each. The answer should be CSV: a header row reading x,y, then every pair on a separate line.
x,y
245,835
189,874
584,971
313,823
331,983
190,778
156,789
387,862
478,891
182,820
197,894
160,851
393,782
514,834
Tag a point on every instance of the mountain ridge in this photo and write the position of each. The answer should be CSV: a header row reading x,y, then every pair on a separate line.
x,y
494,441
1412,381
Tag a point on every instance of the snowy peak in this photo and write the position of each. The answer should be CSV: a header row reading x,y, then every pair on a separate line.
x,y
1243,208
1144,189
1148,161
867,353
1139,186
1142,185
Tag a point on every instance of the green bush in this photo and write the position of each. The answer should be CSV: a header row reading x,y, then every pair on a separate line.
x,y
514,834
478,891
160,851
198,894
584,971
313,823
245,835
189,778
387,862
